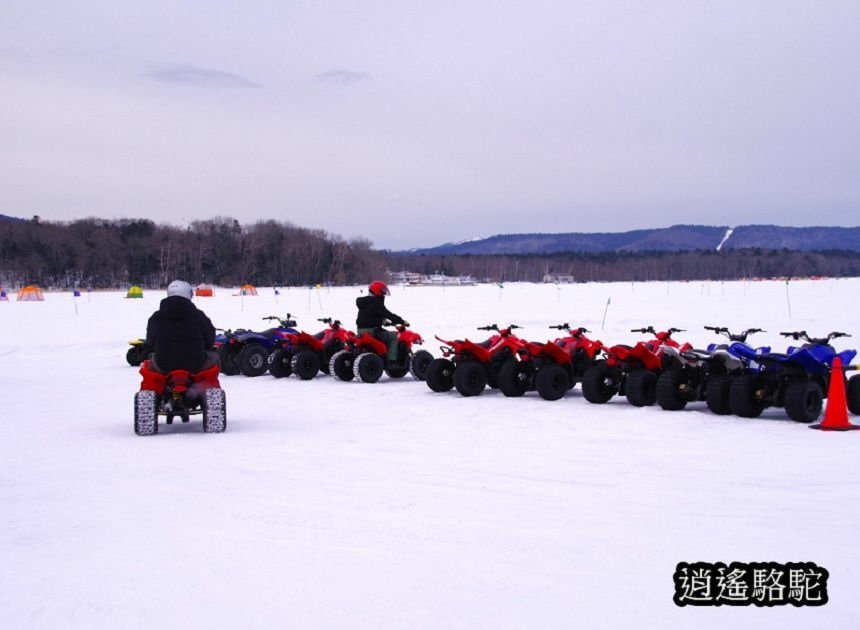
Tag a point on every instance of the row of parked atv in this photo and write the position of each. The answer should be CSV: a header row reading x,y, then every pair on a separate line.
x,y
284,351
731,378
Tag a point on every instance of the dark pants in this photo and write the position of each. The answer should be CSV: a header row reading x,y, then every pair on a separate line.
x,y
211,359
385,336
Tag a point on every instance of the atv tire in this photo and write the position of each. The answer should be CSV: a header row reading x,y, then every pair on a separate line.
x,y
717,394
495,368
227,357
515,378
641,389
340,365
328,352
253,360
368,367
214,410
281,363
599,384
670,395
440,375
853,394
397,371
743,396
470,378
803,400
552,382
305,364
419,364
134,356
146,412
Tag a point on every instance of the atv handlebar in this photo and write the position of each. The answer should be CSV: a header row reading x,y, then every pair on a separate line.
x,y
796,335
497,329
388,322
328,320
650,329
741,336
822,341
576,332
286,323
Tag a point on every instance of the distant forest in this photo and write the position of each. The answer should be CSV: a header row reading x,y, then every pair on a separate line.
x,y
637,266
103,253
116,253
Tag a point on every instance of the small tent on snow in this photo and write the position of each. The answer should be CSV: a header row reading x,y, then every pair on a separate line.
x,y
204,290
134,292
248,289
30,293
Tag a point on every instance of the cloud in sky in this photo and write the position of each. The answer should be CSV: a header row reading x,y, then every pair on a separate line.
x,y
199,77
341,77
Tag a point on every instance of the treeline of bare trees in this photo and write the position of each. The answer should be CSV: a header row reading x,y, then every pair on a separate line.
x,y
115,253
638,266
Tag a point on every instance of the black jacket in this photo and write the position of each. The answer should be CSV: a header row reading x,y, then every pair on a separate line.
x,y
372,312
179,334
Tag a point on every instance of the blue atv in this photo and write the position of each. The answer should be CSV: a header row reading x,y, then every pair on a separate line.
x,y
798,380
697,375
226,345
251,349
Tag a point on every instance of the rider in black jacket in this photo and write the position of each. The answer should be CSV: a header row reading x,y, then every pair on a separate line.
x,y
372,313
179,334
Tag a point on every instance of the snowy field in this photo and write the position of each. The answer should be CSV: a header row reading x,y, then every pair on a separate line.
x,y
348,505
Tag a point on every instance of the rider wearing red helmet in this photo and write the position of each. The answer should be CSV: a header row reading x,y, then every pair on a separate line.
x,y
372,313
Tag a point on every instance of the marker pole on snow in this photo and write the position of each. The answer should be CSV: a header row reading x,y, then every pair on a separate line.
x,y
606,310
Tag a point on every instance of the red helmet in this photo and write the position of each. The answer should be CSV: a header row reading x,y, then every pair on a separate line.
x,y
378,288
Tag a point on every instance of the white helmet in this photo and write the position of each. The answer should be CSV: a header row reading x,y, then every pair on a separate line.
x,y
180,288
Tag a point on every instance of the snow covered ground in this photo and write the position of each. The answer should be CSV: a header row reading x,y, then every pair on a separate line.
x,y
346,505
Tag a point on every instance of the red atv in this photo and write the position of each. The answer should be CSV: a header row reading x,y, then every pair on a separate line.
x,y
179,393
632,371
552,368
471,366
366,357
304,354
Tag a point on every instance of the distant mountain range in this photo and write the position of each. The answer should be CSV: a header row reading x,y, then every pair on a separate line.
x,y
4,217
670,239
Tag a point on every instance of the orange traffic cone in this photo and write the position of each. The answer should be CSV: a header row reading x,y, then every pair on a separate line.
x,y
836,414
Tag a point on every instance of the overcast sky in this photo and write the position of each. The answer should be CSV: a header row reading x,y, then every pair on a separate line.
x,y
416,123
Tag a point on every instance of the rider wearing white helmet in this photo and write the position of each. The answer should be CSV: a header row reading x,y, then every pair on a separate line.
x,y
180,288
180,334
